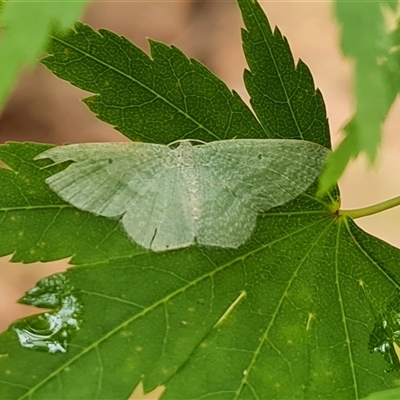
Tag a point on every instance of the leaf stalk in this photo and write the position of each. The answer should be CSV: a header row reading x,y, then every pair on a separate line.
x,y
370,210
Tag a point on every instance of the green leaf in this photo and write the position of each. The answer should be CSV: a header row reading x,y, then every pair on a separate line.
x,y
366,40
288,315
307,336
26,26
158,99
36,225
282,94
336,164
294,313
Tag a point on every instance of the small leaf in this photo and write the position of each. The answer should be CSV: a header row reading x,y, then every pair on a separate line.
x,y
26,26
366,40
50,332
336,164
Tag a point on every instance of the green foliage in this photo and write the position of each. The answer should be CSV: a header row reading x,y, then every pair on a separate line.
x,y
26,27
158,99
367,41
277,87
33,215
293,313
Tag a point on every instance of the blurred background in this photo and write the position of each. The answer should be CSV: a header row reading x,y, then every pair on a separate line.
x,y
43,108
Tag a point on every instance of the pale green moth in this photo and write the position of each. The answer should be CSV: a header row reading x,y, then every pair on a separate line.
x,y
168,196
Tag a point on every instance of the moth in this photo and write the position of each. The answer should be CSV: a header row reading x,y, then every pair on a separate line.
x,y
170,196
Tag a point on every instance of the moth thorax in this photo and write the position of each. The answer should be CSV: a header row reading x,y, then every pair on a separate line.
x,y
184,155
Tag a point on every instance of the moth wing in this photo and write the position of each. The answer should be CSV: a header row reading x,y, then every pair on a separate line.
x,y
240,178
137,180
105,176
264,172
96,151
160,218
226,220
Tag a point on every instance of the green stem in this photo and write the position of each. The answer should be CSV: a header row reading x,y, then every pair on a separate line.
x,y
370,210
